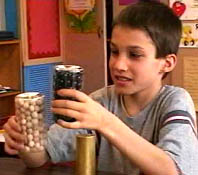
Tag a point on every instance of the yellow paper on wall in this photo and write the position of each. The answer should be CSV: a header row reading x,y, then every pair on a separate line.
x,y
191,78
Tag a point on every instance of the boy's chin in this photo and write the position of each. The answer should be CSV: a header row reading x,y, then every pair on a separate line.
x,y
123,91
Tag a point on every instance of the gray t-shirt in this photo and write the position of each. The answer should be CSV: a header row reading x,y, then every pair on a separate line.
x,y
168,122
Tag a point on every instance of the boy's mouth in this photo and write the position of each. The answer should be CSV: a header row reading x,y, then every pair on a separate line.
x,y
122,78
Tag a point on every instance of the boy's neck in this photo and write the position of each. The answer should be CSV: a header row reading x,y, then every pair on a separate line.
x,y
137,102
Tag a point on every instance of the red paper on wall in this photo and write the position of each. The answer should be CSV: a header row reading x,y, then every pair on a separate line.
x,y
43,28
126,2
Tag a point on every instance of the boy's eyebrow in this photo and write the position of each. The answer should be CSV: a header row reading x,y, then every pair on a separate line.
x,y
130,47
111,43
135,47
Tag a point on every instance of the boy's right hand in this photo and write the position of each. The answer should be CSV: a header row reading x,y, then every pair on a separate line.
x,y
14,139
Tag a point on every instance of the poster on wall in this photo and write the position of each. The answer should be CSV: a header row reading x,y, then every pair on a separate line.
x,y
189,35
81,15
185,9
126,2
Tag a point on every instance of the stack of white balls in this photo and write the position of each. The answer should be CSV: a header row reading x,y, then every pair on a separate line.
x,y
29,111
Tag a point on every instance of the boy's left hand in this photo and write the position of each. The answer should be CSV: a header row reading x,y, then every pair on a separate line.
x,y
88,113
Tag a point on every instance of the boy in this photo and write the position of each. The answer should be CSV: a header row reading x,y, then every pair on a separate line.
x,y
142,126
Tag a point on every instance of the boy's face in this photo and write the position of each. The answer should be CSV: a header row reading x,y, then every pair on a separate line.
x,y
133,65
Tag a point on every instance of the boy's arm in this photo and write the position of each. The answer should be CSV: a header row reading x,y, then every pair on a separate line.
x,y
88,113
149,158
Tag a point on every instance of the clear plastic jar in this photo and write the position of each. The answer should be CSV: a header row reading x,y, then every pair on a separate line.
x,y
30,115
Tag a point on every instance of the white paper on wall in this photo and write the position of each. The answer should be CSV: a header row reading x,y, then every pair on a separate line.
x,y
79,4
189,35
185,9
2,15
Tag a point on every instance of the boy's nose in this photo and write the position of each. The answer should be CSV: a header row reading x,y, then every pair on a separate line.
x,y
121,64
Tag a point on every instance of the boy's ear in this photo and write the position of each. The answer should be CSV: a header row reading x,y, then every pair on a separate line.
x,y
170,62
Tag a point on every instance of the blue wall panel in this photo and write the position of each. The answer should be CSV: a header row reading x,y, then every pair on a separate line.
x,y
39,78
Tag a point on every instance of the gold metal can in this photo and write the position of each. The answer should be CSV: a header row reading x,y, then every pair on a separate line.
x,y
85,154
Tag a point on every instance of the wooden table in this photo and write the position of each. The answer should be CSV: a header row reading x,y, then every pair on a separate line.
x,y
14,166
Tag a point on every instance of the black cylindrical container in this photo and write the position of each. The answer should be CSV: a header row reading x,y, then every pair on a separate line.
x,y
69,77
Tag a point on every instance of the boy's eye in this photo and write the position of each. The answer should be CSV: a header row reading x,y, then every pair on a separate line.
x,y
114,52
134,55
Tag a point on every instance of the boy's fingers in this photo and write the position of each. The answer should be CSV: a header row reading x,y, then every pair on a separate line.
x,y
12,124
12,144
16,135
69,104
10,150
69,125
78,95
66,112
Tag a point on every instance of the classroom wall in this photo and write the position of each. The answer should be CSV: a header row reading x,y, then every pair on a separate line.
x,y
88,51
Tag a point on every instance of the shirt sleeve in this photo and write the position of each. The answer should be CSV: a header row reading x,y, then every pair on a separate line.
x,y
178,132
61,143
180,143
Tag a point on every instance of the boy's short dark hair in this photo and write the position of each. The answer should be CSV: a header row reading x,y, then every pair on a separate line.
x,y
158,21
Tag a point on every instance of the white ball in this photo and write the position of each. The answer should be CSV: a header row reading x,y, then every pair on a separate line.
x,y
30,137
31,144
40,116
28,118
33,102
35,114
41,148
23,121
35,122
29,131
36,133
26,105
22,109
27,148
37,108
27,113
31,108
21,102
29,125
41,129
36,139
37,145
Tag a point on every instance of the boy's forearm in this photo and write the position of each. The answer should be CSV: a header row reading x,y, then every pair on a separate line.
x,y
149,158
34,159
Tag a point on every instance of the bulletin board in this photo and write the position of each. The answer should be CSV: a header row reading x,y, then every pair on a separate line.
x,y
43,28
191,78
